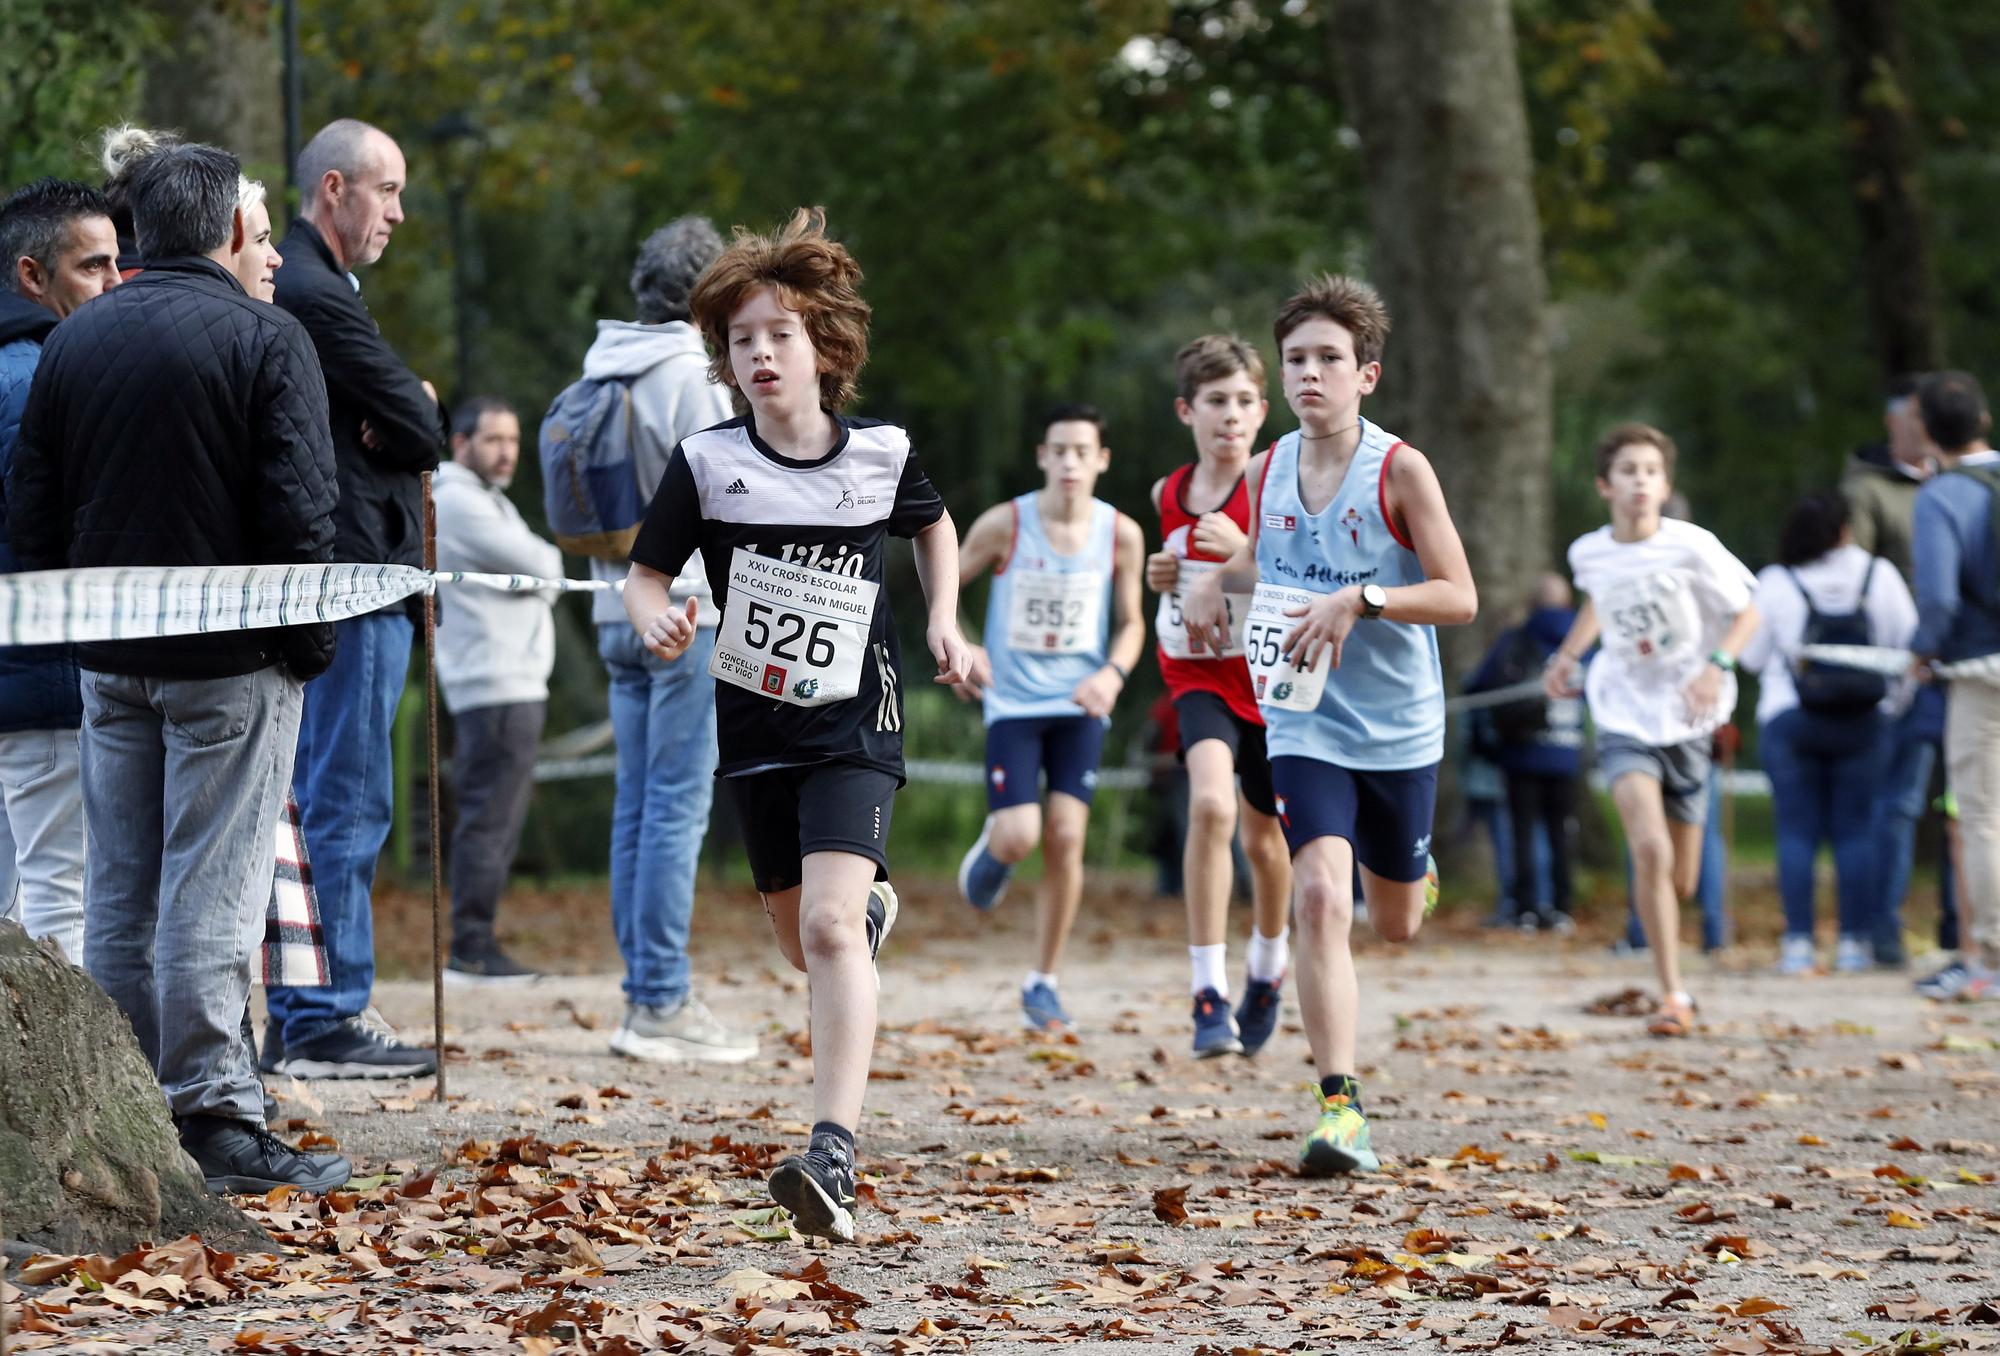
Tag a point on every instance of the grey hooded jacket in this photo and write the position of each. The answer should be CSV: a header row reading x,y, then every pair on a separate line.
x,y
672,397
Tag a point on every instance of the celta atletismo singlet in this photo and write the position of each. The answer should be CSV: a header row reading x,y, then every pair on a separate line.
x,y
1383,708
1048,617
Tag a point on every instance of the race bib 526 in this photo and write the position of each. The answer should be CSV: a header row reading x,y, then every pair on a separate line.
x,y
793,633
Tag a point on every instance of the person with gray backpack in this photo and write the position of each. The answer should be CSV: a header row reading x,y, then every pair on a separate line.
x,y
1957,546
604,447
1823,729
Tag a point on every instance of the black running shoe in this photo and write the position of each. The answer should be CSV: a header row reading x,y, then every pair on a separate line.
x,y
1257,1014
358,1049
817,1188
494,970
242,1156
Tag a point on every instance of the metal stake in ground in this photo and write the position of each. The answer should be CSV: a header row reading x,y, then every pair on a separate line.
x,y
431,777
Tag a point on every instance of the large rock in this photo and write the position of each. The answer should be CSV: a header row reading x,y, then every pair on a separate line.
x,y
89,1161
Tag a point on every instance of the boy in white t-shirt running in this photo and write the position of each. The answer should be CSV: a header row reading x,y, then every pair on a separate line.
x,y
1673,608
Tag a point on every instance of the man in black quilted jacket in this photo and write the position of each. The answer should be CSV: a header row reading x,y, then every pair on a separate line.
x,y
387,431
178,422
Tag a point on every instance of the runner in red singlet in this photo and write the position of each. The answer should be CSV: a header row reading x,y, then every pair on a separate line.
x,y
1204,512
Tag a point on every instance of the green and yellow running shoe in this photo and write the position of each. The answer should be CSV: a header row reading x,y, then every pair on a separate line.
x,y
1339,1143
1430,885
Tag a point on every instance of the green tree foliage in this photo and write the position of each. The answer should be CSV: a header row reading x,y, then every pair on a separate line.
x,y
67,67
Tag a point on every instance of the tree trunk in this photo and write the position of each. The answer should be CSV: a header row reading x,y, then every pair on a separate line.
x,y
1433,88
217,79
1879,126
89,1161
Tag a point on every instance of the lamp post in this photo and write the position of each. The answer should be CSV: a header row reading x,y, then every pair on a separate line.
x,y
460,144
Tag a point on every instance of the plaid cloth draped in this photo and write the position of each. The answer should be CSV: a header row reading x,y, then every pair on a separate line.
x,y
294,949
65,607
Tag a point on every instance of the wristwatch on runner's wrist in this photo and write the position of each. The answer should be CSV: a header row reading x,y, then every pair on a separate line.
x,y
1373,599
1723,660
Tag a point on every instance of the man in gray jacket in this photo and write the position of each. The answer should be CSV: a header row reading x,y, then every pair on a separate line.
x,y
495,650
663,714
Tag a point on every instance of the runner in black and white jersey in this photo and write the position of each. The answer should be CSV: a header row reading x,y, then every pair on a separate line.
x,y
726,490
790,505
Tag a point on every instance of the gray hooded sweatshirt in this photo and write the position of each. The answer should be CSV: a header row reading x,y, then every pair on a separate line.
x,y
667,366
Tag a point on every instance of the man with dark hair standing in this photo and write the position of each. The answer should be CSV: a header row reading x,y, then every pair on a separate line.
x,y
59,251
387,431
664,714
1880,484
177,422
495,651
1958,618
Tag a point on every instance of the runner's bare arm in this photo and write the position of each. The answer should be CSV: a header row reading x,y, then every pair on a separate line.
x,y
1559,678
1206,612
987,543
1096,693
937,569
1448,596
666,629
1163,567
1704,691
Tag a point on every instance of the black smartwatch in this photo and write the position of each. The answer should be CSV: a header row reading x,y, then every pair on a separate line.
x,y
1373,599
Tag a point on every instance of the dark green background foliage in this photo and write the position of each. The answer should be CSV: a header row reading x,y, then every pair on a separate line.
x,y
1050,196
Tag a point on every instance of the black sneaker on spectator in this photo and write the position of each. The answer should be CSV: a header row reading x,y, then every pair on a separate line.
x,y
494,970
359,1048
243,1156
271,1057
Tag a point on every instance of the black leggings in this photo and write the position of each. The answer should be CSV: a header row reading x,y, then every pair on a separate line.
x,y
1535,798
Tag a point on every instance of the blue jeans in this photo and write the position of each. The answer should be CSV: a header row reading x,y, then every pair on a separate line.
x,y
1913,744
182,780
663,716
345,783
1823,791
1711,889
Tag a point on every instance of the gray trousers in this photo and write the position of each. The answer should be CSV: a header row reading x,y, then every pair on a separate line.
x,y
182,783
493,777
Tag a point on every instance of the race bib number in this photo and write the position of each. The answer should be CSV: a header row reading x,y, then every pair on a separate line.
x,y
1272,677
1171,627
1651,619
1056,613
793,633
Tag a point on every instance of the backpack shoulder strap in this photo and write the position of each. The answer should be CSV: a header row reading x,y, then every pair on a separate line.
x,y
1812,608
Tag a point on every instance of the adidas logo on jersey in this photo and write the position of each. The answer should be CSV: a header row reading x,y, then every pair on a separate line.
x,y
738,488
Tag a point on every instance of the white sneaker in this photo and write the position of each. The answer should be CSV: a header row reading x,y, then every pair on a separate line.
x,y
690,1031
1795,954
1852,954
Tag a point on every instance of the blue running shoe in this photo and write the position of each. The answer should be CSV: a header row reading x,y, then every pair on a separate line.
x,y
982,878
1042,1010
1257,1014
1214,1027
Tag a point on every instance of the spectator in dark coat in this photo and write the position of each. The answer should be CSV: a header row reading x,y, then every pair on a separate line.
x,y
58,250
387,431
1538,744
177,422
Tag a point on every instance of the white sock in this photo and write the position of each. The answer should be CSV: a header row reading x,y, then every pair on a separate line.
x,y
1209,968
1269,955
1037,977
